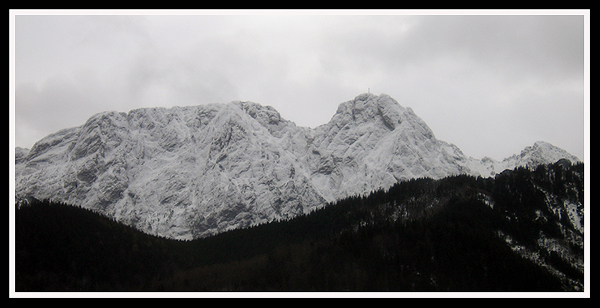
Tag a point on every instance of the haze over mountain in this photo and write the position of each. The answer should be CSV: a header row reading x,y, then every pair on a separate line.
x,y
190,172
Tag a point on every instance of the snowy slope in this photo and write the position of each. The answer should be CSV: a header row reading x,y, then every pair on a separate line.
x,y
189,172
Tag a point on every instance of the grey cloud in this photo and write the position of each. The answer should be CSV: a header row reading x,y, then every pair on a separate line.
x,y
534,44
464,75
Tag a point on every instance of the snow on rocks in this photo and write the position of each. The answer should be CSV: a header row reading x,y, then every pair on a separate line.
x,y
189,172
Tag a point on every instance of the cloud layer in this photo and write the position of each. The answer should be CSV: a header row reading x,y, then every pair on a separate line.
x,y
489,84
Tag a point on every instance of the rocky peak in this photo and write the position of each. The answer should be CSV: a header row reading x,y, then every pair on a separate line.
x,y
267,116
540,152
263,114
363,108
370,108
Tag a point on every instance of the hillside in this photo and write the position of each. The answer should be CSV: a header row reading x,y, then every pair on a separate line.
x,y
519,231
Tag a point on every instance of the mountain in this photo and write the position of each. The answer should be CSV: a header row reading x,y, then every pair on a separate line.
x,y
190,172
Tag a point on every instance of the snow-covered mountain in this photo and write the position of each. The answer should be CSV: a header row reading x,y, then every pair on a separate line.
x,y
189,172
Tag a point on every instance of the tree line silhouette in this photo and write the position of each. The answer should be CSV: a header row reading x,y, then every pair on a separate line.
x,y
419,235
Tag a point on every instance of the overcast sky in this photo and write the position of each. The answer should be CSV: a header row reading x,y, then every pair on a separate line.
x,y
490,84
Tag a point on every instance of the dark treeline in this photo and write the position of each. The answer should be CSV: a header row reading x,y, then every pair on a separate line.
x,y
419,235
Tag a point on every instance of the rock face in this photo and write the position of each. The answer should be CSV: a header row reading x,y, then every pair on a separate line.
x,y
189,172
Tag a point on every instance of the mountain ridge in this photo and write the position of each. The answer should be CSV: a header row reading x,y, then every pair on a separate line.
x,y
189,172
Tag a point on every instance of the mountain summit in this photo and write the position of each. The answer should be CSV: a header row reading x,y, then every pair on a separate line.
x,y
189,172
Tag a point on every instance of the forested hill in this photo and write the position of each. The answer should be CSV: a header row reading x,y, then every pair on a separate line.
x,y
519,231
